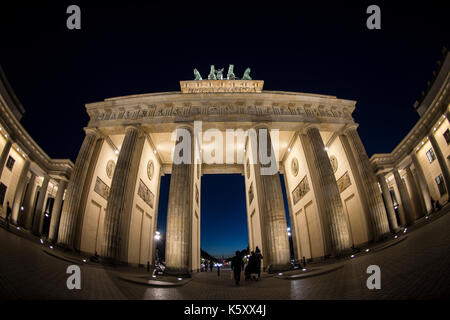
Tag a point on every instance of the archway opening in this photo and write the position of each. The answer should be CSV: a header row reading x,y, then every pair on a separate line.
x,y
223,221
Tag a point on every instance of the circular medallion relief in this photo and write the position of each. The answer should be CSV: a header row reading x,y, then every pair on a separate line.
x,y
294,167
334,163
150,169
110,166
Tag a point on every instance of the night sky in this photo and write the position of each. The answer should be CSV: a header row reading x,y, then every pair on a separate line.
x,y
136,48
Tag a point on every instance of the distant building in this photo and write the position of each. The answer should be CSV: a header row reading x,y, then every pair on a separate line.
x,y
416,172
32,182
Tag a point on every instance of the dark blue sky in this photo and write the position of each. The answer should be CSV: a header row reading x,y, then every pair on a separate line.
x,y
132,48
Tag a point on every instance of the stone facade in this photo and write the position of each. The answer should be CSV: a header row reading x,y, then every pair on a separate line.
x,y
337,197
416,172
30,181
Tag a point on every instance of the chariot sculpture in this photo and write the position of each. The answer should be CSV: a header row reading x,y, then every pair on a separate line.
x,y
218,74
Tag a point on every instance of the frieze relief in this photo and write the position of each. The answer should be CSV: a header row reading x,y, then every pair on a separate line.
x,y
344,182
307,111
300,190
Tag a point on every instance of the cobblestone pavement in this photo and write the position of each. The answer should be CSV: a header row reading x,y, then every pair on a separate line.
x,y
416,268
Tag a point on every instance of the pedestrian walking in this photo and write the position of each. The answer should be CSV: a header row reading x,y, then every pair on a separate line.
x,y
8,214
237,265
211,265
259,257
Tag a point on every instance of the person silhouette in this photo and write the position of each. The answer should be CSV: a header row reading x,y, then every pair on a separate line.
x,y
8,214
237,265
259,257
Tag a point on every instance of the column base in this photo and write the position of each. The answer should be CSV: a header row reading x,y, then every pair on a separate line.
x,y
112,262
279,268
177,272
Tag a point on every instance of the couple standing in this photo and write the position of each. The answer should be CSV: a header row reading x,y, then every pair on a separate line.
x,y
253,266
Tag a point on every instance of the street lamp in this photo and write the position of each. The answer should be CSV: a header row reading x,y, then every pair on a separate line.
x,y
157,237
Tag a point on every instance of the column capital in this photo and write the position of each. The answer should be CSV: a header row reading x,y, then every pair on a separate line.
x,y
92,131
138,128
308,127
349,126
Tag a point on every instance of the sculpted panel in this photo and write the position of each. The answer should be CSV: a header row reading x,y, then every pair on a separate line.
x,y
102,188
145,194
300,190
344,182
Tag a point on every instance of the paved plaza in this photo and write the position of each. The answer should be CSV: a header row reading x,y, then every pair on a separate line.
x,y
418,267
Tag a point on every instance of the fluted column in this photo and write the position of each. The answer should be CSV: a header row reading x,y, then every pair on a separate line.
x,y
56,211
441,160
329,200
4,155
377,211
275,224
292,219
425,193
37,221
393,225
119,207
404,196
415,197
21,184
27,214
178,230
69,214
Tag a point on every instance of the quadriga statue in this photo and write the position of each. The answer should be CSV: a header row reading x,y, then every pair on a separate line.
x,y
197,75
246,75
230,74
219,75
212,74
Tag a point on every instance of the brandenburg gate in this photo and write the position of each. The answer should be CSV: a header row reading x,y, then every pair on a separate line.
x,y
221,125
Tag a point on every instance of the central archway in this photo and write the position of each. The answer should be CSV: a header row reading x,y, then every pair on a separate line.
x,y
224,225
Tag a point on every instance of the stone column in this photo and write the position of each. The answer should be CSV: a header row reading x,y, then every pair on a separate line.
x,y
425,194
28,203
119,207
275,224
69,214
406,201
56,211
377,212
297,255
178,233
4,155
21,184
330,203
36,229
442,161
415,197
393,225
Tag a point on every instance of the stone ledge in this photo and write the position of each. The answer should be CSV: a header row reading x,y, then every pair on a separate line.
x,y
310,272
144,280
